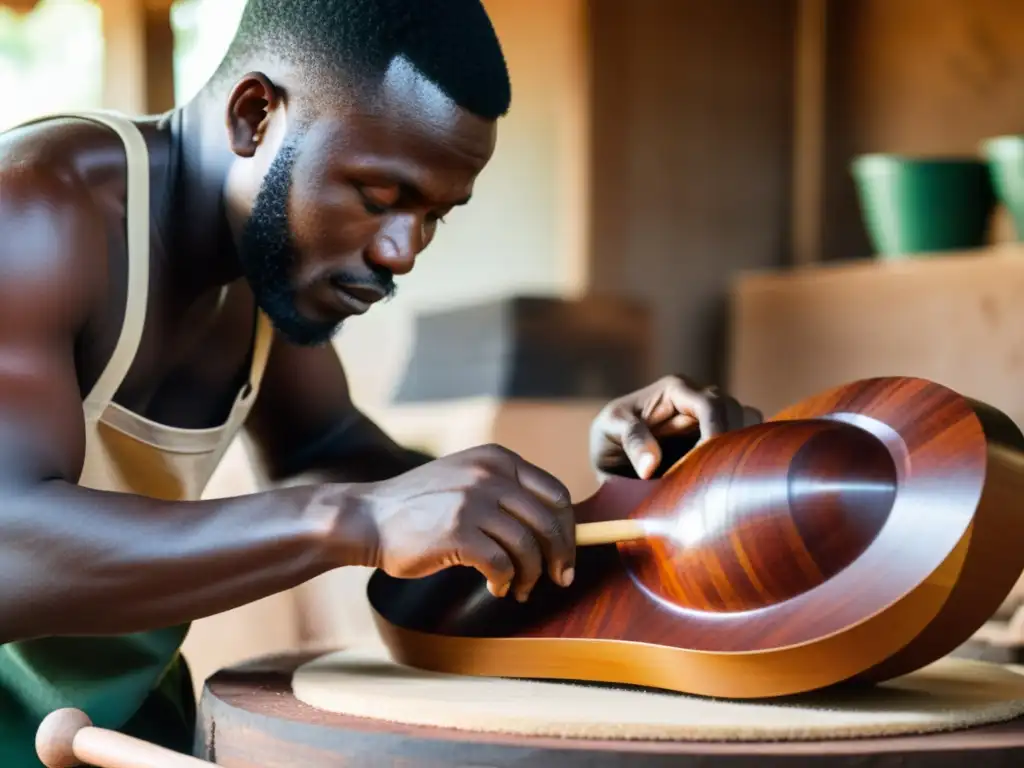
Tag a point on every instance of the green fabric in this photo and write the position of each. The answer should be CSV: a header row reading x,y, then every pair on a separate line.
x,y
138,684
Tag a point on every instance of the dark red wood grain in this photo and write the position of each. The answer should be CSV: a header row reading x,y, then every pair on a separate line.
x,y
812,497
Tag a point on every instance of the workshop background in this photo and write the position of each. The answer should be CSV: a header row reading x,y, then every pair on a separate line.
x,y
770,195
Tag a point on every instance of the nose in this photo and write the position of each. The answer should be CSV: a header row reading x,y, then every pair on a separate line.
x,y
397,244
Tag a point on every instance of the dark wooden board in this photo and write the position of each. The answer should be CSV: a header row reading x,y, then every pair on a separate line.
x,y
530,347
250,719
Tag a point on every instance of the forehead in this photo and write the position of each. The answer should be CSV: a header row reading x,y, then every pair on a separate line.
x,y
411,131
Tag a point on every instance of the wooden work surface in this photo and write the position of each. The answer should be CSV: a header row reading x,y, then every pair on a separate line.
x,y
250,719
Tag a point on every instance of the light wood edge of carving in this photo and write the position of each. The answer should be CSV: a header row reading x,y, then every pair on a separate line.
x,y
1010,463
778,672
995,522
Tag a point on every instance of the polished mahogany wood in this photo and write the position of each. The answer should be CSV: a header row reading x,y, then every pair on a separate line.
x,y
248,718
856,536
816,495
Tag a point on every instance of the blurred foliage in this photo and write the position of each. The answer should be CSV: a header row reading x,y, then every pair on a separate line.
x,y
51,58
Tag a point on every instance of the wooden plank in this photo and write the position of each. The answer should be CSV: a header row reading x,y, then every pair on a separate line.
x,y
955,319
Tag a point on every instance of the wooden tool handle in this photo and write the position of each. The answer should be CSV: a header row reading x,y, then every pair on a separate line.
x,y
609,532
67,738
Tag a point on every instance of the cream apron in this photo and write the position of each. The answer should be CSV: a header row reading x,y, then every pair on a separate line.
x,y
136,683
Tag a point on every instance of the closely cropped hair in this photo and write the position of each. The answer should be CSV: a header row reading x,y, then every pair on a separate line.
x,y
451,42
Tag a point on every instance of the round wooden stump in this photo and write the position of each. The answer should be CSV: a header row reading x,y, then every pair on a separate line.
x,y
249,717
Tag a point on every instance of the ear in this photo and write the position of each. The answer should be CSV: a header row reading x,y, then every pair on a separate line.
x,y
250,104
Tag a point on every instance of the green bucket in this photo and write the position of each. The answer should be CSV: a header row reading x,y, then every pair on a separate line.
x,y
1005,155
918,205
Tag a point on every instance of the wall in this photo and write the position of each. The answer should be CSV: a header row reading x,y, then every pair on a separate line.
x,y
919,77
691,159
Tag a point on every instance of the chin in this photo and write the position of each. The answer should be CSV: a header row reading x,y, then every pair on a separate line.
x,y
300,328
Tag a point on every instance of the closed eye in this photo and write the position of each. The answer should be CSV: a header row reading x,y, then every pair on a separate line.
x,y
373,208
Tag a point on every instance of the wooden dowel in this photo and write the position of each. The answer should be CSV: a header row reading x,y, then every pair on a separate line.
x,y
609,532
67,738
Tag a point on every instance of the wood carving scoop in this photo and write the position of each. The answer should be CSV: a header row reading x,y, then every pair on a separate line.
x,y
783,506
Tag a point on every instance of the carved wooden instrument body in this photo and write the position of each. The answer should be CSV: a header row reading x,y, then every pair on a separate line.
x,y
854,537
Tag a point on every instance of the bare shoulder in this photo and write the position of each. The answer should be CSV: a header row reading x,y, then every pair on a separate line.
x,y
53,277
54,246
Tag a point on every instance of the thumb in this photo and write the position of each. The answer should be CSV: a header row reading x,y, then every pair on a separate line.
x,y
640,447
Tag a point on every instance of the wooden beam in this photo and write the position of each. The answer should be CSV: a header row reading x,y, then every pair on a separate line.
x,y
159,60
809,130
20,6
139,62
124,70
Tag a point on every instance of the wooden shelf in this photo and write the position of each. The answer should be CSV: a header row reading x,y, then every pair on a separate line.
x,y
953,318
758,279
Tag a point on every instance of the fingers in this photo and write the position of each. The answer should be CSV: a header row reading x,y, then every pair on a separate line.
x,y
548,511
541,484
551,532
522,547
679,424
535,523
715,413
528,534
637,441
670,407
491,559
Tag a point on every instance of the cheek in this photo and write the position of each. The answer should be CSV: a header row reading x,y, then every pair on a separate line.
x,y
326,230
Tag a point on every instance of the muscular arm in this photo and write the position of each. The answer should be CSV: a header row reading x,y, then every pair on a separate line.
x,y
304,424
83,562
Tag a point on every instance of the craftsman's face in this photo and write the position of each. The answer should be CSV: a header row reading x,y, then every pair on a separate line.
x,y
346,207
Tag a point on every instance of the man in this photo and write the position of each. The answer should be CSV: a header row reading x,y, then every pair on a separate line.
x,y
167,282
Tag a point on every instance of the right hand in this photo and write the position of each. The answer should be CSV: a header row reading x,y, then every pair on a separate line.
x,y
485,508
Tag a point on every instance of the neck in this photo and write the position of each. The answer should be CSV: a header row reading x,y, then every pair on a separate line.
x,y
203,250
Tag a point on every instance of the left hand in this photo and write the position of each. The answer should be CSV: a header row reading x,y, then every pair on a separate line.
x,y
630,432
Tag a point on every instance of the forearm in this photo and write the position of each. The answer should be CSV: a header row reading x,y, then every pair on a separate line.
x,y
354,451
75,561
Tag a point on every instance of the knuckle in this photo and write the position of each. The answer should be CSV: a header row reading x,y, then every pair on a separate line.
x,y
498,457
551,528
479,473
712,401
635,432
499,561
679,383
712,393
496,451
612,420
462,513
526,544
621,412
562,498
